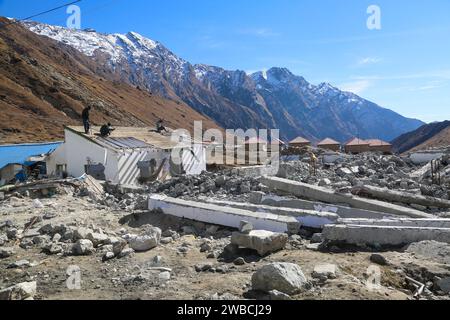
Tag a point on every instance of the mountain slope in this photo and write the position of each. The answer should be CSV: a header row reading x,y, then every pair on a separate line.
x,y
276,99
428,136
45,84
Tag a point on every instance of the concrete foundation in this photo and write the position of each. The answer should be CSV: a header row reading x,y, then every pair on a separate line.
x,y
224,216
417,223
311,192
341,211
383,235
307,218
403,197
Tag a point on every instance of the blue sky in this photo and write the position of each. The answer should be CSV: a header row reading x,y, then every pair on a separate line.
x,y
405,66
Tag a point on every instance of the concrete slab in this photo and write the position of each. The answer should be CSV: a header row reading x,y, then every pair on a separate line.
x,y
341,211
264,242
224,216
402,197
383,235
312,192
307,218
418,223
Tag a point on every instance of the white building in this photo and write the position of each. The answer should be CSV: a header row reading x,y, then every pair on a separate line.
x,y
128,155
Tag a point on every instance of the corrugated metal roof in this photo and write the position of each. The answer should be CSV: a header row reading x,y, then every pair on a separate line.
x,y
123,143
21,152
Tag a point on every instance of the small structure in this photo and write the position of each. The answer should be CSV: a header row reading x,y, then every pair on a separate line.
x,y
130,155
19,161
329,144
299,142
377,145
357,145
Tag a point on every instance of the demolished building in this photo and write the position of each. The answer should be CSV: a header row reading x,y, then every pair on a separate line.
x,y
128,156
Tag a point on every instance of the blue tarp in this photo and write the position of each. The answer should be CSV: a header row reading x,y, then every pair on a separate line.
x,y
19,153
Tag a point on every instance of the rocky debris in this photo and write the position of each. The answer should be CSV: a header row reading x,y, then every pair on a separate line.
x,y
245,227
275,295
239,261
19,264
287,278
379,259
436,251
83,247
21,291
147,241
6,252
264,242
126,253
443,285
325,272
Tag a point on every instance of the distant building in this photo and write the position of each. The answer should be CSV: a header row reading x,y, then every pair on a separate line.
x,y
299,142
329,144
377,145
357,145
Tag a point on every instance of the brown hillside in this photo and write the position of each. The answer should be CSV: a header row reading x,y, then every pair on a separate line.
x,y
45,85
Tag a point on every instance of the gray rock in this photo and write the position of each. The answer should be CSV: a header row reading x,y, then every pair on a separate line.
x,y
98,238
21,291
166,240
276,295
287,278
239,261
317,238
82,233
147,241
379,259
126,253
83,247
325,271
264,242
19,264
6,252
164,276
108,256
245,227
444,285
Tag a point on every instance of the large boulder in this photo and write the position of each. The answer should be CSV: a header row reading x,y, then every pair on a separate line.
x,y
264,242
21,291
147,241
284,277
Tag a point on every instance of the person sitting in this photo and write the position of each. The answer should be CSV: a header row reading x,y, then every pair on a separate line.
x,y
106,130
160,126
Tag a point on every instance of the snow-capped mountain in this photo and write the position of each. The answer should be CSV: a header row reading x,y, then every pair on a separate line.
x,y
272,99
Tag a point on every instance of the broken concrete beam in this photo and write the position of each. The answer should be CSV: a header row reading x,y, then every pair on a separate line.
x,y
419,223
307,191
341,211
224,216
307,218
402,197
264,242
383,235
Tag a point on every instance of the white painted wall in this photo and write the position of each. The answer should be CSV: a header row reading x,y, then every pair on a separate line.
x,y
57,157
194,165
79,151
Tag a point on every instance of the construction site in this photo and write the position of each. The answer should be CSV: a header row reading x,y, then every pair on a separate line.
x,y
114,218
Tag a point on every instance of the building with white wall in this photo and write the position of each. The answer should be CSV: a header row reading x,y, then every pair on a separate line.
x,y
127,156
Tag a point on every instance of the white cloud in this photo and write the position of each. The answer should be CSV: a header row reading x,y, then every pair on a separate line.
x,y
368,60
356,87
259,32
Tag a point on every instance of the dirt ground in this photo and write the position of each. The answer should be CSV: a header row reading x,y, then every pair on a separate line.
x,y
138,276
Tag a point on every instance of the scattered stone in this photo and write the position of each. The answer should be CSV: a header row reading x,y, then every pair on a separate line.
x,y
19,264
147,241
82,233
126,253
317,238
287,278
205,247
378,259
264,242
37,204
276,295
164,276
444,285
21,291
325,271
166,240
239,261
83,247
6,252
246,227
98,238
108,256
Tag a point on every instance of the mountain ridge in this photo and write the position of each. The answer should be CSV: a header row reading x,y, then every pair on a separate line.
x,y
233,98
